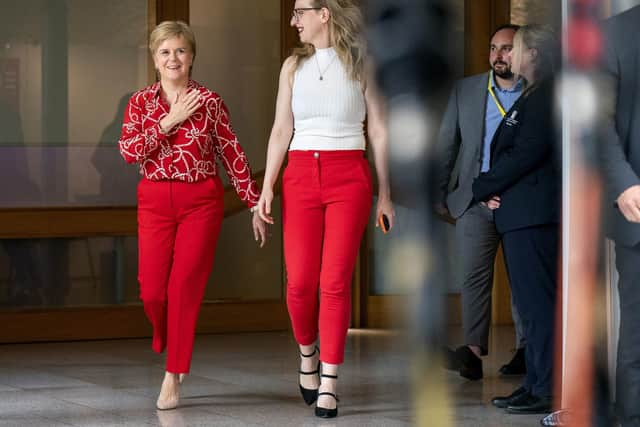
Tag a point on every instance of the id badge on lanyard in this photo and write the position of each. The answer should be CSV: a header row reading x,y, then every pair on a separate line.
x,y
495,98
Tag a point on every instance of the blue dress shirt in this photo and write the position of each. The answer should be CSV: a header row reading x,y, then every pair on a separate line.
x,y
493,117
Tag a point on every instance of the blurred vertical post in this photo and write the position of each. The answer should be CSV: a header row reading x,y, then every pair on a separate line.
x,y
580,376
408,42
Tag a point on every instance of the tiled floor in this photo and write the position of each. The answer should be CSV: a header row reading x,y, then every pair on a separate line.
x,y
236,380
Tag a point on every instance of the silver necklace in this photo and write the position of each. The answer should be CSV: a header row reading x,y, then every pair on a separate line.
x,y
322,73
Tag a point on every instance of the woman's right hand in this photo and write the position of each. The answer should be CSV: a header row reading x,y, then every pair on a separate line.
x,y
182,107
493,203
264,205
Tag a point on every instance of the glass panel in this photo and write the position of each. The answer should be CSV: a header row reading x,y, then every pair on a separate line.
x,y
68,272
65,67
239,58
241,269
238,44
103,270
618,6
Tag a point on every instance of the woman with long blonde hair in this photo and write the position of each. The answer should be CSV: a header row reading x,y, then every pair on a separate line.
x,y
323,99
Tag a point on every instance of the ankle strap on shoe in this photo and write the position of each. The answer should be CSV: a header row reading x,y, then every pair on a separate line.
x,y
315,350
308,372
335,377
326,393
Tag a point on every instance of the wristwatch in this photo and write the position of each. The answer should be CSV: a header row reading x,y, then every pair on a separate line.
x,y
253,209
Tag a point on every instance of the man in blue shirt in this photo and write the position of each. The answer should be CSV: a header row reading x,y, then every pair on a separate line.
x,y
475,109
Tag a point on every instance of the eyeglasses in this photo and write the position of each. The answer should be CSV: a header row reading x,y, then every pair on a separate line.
x,y
297,13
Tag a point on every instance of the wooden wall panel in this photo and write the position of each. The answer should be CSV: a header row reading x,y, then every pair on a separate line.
x,y
525,12
393,311
37,223
172,10
481,17
289,37
66,324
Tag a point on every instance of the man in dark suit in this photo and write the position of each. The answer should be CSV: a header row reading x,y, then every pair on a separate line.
x,y
621,168
475,109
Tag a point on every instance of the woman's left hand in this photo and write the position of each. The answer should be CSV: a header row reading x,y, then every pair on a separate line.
x,y
259,228
385,206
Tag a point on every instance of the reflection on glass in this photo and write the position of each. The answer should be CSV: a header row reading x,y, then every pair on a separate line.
x,y
64,66
68,272
243,66
113,172
170,419
242,270
67,68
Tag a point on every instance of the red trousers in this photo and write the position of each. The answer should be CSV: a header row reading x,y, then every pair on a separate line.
x,y
178,228
326,197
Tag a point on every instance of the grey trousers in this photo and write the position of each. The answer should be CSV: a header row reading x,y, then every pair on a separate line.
x,y
477,242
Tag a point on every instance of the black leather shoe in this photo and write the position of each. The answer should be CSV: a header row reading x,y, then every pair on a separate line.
x,y
470,364
531,404
309,395
327,412
504,401
450,359
517,365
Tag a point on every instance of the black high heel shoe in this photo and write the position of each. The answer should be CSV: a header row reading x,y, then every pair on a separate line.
x,y
309,395
326,412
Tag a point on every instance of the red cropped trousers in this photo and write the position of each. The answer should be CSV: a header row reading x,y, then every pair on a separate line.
x,y
327,197
178,228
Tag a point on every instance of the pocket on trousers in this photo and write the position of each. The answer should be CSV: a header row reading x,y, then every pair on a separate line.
x,y
295,175
215,187
141,190
365,172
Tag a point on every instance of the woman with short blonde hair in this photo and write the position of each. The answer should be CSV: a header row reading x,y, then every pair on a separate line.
x,y
172,29
177,130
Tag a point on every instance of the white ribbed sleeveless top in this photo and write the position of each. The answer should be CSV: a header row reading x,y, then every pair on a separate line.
x,y
328,114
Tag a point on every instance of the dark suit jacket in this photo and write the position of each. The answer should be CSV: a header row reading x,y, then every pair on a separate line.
x,y
525,171
621,142
460,142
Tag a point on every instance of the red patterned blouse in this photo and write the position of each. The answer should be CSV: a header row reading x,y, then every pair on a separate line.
x,y
187,152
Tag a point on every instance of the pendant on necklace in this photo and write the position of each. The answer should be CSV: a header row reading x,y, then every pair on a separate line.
x,y
321,78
